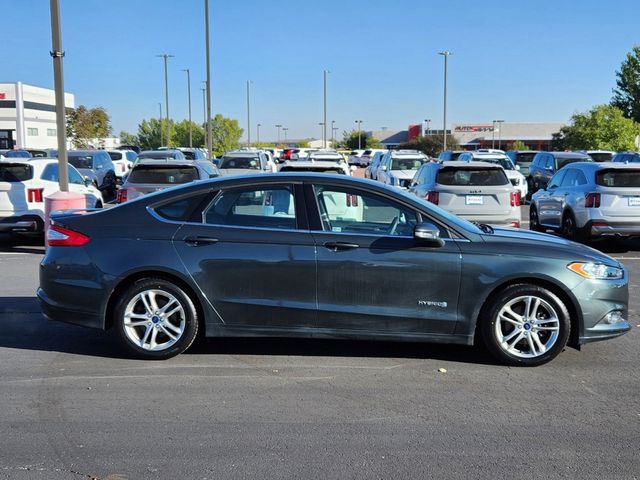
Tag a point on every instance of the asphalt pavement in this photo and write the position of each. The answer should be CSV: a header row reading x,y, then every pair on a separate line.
x,y
74,406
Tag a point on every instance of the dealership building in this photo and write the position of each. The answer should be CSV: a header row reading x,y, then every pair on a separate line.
x,y
28,116
474,135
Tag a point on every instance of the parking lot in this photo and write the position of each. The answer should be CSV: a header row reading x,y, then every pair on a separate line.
x,y
74,406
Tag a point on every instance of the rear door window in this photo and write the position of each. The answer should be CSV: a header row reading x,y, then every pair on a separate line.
x,y
15,172
115,155
472,177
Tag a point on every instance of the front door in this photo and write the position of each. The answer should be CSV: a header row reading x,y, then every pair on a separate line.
x,y
372,275
252,258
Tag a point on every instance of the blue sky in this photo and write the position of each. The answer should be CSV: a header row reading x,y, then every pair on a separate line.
x,y
534,61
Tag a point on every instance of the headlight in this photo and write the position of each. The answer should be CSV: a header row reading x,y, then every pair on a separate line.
x,y
596,271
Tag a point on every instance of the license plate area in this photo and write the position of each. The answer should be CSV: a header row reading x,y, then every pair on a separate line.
x,y
634,201
474,200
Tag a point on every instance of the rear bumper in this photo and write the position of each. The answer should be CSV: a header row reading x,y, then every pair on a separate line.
x,y
614,228
22,224
55,311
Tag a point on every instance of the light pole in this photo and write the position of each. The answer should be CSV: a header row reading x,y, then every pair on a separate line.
x,y
189,96
284,129
161,132
204,113
359,122
208,62
258,133
278,127
499,122
446,54
58,79
493,134
323,132
165,57
324,123
248,116
428,122
333,133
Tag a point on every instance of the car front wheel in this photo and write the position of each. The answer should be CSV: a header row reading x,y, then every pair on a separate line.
x,y
525,325
155,319
534,222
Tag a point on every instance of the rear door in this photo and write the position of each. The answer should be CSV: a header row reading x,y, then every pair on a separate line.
x,y
251,254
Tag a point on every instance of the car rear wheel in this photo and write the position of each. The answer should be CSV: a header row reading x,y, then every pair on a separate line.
x,y
534,222
525,325
155,319
569,229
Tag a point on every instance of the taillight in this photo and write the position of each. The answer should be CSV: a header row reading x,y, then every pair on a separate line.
x,y
58,236
515,224
515,199
352,200
121,196
433,197
34,195
592,200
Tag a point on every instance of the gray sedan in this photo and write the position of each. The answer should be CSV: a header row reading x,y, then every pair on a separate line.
x,y
585,200
314,255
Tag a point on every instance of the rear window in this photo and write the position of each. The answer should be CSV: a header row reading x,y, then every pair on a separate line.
x,y
16,172
629,178
601,157
189,155
455,155
157,155
250,163
472,176
162,174
525,157
406,163
313,169
563,161
81,161
115,155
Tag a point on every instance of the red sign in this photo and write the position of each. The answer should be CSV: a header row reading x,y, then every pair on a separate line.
x,y
3,95
474,128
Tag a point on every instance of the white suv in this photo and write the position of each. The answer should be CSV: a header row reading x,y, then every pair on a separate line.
x,y
398,167
24,184
498,157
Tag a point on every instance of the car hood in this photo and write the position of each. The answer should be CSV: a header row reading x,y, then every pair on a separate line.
x,y
403,174
544,242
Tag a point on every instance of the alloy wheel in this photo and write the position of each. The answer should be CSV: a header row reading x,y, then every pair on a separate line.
x,y
527,327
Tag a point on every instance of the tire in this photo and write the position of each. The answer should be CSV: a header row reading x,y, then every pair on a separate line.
x,y
98,204
534,223
568,229
144,331
514,338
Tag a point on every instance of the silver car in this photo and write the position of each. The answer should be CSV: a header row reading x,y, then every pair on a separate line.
x,y
585,200
398,167
244,162
476,191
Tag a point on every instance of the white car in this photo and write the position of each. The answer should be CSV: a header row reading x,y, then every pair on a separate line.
x,y
498,157
327,161
398,167
24,184
122,161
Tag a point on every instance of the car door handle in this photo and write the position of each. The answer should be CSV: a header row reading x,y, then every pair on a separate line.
x,y
197,241
337,246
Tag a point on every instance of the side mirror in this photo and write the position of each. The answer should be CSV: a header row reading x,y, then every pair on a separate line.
x,y
518,167
548,169
427,234
87,181
383,168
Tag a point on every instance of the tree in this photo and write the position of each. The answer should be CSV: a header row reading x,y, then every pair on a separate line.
x,y
602,128
303,144
127,138
351,140
86,124
431,145
180,134
627,96
151,133
518,145
225,134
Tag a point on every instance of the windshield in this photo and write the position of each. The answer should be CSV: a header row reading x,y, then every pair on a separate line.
x,y
162,155
503,162
249,163
601,156
525,157
289,168
471,177
406,163
162,174
625,178
81,161
189,155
